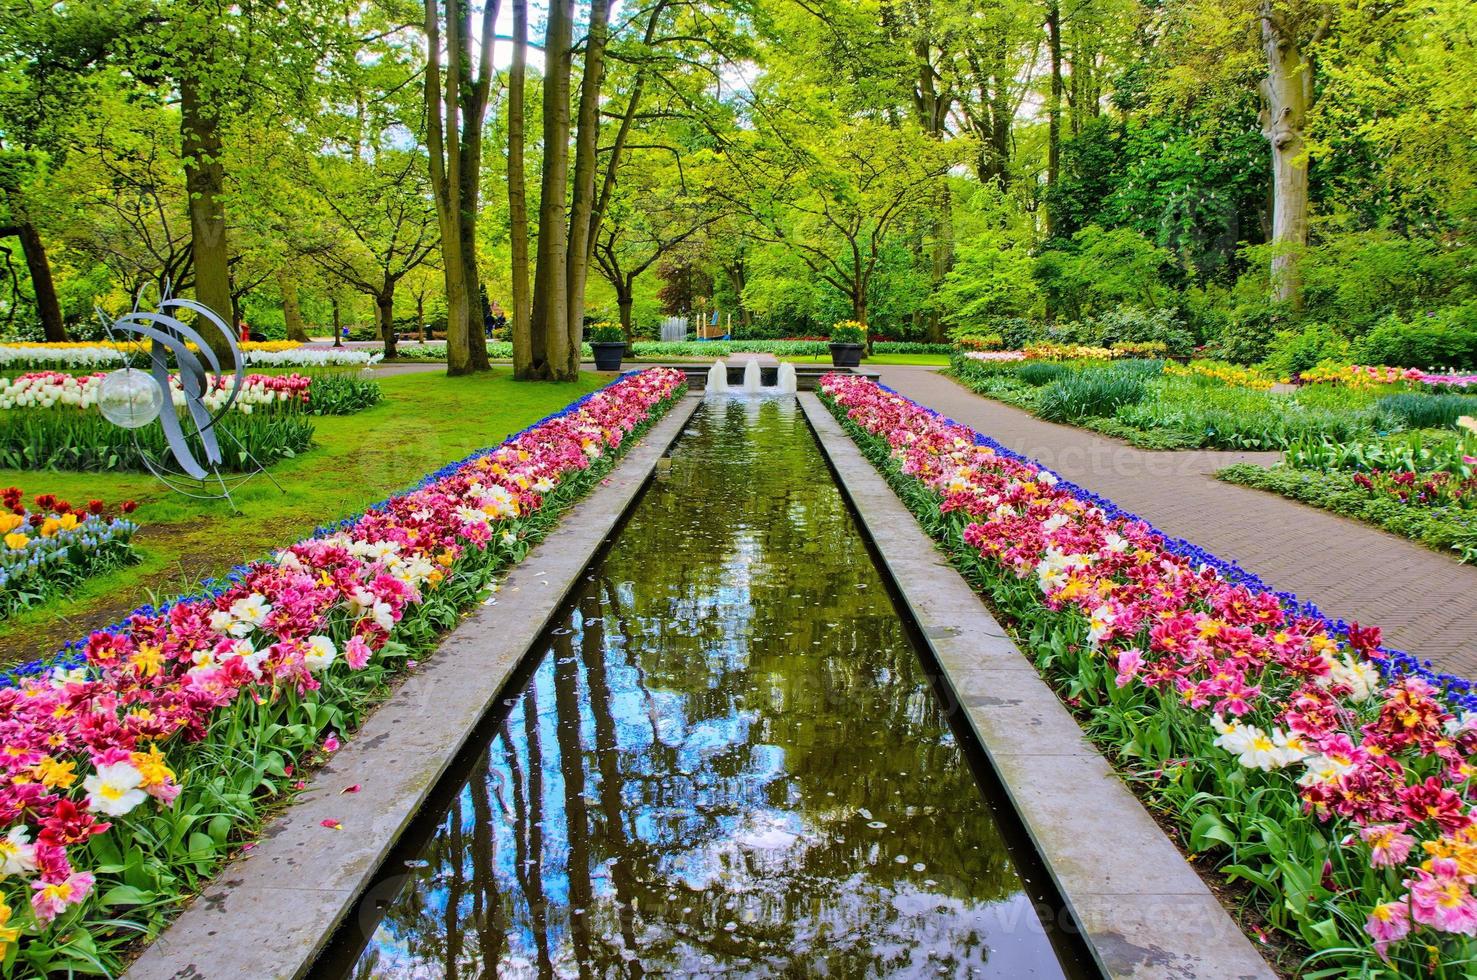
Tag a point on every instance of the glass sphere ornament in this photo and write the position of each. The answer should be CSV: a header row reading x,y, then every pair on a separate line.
x,y
129,398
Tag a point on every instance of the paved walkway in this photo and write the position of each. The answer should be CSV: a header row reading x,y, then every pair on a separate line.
x,y
1426,603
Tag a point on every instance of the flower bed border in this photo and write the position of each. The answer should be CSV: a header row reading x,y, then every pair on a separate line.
x,y
354,694
303,882
1139,908
1054,636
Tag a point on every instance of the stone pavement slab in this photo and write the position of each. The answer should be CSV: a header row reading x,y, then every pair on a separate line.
x,y
1425,602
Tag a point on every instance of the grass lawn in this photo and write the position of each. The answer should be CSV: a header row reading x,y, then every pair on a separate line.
x,y
425,421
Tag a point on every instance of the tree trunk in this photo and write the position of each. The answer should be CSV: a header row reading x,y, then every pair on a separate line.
x,y
625,299
43,287
550,286
529,359
338,322
1287,92
292,312
737,281
205,178
585,164
445,157
420,316
384,306
1053,106
474,97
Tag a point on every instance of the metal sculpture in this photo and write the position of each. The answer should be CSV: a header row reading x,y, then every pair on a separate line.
x,y
132,399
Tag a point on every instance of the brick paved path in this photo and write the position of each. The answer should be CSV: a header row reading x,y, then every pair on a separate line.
x,y
1425,602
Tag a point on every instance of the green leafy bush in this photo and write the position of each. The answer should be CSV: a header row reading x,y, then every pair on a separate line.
x,y
1357,279
65,439
341,393
1131,325
1246,333
991,278
1410,410
913,347
1103,269
1447,339
1094,392
1039,372
1295,351
1016,332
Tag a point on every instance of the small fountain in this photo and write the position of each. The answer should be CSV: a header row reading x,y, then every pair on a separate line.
x,y
717,379
787,384
751,377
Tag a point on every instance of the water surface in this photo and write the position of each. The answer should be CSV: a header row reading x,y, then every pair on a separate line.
x,y
729,761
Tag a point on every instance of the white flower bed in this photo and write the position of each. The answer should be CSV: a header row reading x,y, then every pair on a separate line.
x,y
309,357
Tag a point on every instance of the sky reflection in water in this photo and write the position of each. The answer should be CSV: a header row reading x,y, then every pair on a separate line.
x,y
729,761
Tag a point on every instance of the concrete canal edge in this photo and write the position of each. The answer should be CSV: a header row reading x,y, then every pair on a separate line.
x,y
270,912
1142,910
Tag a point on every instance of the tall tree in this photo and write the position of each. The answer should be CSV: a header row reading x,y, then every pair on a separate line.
x,y
376,228
1288,33
836,203
456,109
551,274
583,201
529,356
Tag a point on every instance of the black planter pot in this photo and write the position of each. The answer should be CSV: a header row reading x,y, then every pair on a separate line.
x,y
608,356
846,355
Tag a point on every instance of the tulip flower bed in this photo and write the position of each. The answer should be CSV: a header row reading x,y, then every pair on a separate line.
x,y
51,546
330,394
111,354
138,760
1330,775
50,419
62,439
1369,375
1420,485
48,389
1158,405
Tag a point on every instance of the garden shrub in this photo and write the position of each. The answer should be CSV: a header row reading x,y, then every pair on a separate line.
x,y
1446,339
1093,392
1041,372
1246,334
1357,279
990,278
1295,351
1016,332
1132,325
1102,269
1410,410
918,347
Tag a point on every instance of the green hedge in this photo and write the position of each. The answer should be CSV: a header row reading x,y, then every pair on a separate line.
x,y
66,439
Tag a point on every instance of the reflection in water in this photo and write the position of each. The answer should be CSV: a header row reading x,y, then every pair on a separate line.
x,y
729,761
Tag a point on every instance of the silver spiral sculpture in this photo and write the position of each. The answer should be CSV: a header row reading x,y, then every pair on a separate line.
x,y
132,398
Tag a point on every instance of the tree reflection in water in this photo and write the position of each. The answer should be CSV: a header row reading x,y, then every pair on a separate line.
x,y
730,760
